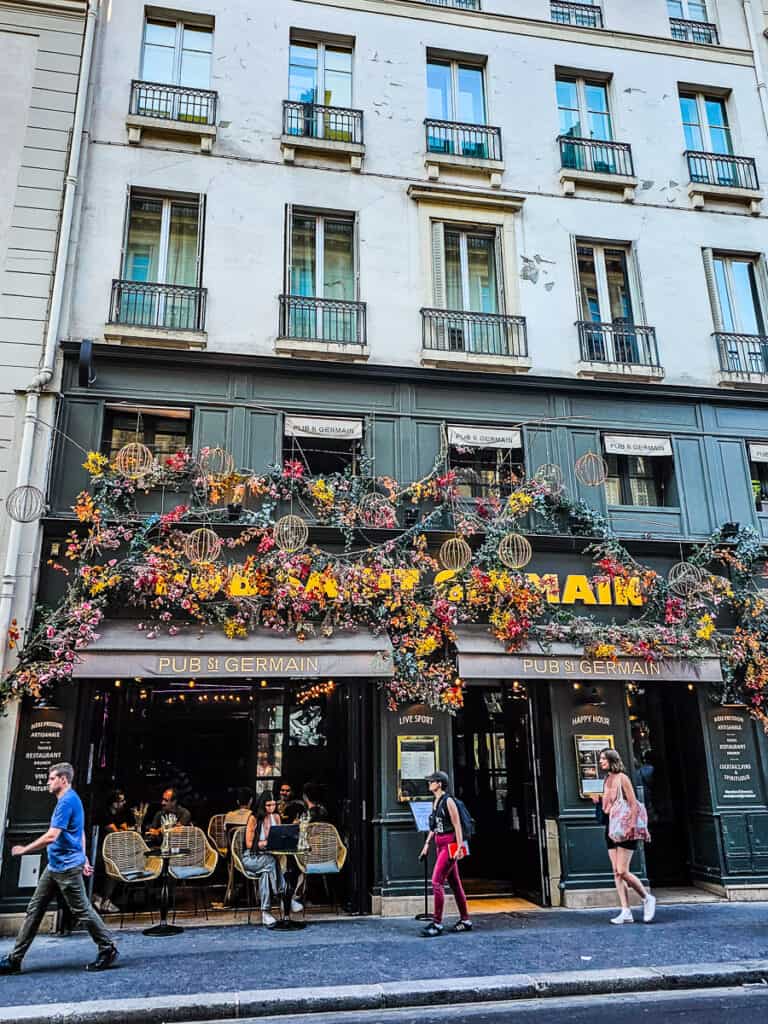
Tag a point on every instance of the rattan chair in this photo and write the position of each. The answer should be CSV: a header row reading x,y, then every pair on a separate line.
x,y
325,856
217,833
196,865
125,861
237,846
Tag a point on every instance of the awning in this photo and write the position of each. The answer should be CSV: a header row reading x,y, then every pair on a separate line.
x,y
319,426
484,437
123,651
632,444
482,657
758,451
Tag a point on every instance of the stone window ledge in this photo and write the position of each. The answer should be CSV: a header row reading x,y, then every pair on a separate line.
x,y
154,337
699,193
334,351
137,124
612,371
572,180
355,151
728,379
435,161
441,359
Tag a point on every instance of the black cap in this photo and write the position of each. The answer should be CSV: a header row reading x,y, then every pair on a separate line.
x,y
440,777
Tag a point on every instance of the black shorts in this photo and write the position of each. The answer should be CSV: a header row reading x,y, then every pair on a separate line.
x,y
628,844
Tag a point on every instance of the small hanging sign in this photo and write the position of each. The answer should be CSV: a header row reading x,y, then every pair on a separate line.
x,y
758,451
631,444
484,437
318,426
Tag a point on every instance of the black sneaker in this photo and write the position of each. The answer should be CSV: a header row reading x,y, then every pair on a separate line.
x,y
104,960
432,930
462,926
8,966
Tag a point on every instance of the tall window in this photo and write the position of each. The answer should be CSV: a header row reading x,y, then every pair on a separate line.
x,y
162,241
605,295
455,92
705,123
164,431
322,256
470,271
323,445
486,472
689,10
737,294
320,73
176,53
583,107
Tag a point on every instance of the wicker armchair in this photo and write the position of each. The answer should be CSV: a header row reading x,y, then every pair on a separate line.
x,y
237,846
217,833
196,865
325,856
125,861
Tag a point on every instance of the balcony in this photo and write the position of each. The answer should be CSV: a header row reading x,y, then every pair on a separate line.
x,y
331,131
608,350
172,110
596,164
333,328
719,176
474,340
171,315
743,359
563,12
469,147
703,32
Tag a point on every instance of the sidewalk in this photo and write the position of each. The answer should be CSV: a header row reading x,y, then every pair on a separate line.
x,y
375,952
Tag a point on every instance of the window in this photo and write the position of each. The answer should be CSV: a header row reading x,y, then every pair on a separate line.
x,y
582,104
758,469
487,463
639,481
320,73
705,123
164,431
162,241
688,10
455,92
175,53
738,298
470,270
322,255
605,297
323,445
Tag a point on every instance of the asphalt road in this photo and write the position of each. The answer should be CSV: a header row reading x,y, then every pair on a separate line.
x,y
711,1006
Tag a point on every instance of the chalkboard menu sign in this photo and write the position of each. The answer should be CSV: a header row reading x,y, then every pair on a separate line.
x,y
734,755
42,742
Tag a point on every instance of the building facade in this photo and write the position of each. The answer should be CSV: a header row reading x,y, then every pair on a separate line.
x,y
502,235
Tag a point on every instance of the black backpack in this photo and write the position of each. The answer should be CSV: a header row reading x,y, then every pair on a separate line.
x,y
467,823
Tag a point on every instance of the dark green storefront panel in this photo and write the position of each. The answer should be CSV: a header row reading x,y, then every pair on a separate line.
x,y
80,425
256,439
211,429
382,446
731,486
693,485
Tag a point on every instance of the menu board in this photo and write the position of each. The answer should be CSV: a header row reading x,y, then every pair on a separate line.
x,y
42,743
588,762
734,756
416,759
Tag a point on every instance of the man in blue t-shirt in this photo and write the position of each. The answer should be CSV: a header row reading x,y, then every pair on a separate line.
x,y
67,863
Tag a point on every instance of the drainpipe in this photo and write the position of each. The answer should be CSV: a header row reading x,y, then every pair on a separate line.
x,y
755,43
45,374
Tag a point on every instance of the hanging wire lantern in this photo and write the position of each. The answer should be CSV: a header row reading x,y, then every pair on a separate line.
x,y
591,469
455,554
203,545
25,503
551,476
515,550
685,578
376,510
291,533
135,460
216,462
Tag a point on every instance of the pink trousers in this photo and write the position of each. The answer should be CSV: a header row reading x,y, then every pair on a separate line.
x,y
447,870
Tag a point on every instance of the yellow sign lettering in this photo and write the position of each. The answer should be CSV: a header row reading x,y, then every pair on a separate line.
x,y
577,588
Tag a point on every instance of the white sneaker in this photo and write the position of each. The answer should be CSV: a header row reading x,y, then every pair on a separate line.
x,y
625,917
267,919
296,907
649,908
108,907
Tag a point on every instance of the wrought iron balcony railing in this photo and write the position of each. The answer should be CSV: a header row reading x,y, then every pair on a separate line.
x,y
619,344
307,318
722,169
464,5
742,354
586,15
473,141
315,121
488,334
694,31
577,154
170,307
173,103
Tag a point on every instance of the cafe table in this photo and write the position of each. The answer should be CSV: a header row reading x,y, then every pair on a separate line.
x,y
165,891
286,924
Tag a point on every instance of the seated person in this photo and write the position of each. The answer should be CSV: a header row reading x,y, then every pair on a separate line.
x,y
243,812
116,818
285,797
258,861
293,812
169,804
315,810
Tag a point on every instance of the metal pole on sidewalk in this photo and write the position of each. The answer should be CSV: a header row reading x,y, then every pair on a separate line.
x,y
425,916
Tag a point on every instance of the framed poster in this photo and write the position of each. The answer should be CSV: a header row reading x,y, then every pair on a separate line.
x,y
417,757
587,757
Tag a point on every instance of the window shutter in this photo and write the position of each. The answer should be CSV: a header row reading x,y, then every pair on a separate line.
x,y
200,237
761,279
581,313
499,254
123,273
356,253
438,264
639,314
288,249
714,298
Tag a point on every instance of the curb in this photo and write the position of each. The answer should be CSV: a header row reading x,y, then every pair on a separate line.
x,y
216,1006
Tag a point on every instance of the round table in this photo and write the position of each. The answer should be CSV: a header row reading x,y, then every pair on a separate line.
x,y
286,924
165,897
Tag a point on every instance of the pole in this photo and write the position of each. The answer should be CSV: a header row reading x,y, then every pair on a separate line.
x,y
426,916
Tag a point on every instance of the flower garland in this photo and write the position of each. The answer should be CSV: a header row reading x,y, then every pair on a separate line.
x,y
118,559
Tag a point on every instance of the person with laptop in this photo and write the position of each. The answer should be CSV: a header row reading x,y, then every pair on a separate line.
x,y
257,858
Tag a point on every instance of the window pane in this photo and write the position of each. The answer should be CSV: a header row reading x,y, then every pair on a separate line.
x,y
689,112
143,250
439,103
597,110
303,256
302,74
697,10
618,286
160,33
745,297
643,485
338,60
590,300
195,69
198,39
157,64
339,260
338,89
675,8
719,131
613,483
568,106
482,274
471,98
726,310
182,244
454,294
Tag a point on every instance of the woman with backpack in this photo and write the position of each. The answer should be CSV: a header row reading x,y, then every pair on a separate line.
x,y
617,790
445,824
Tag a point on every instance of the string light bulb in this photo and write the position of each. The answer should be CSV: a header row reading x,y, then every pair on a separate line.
x,y
315,691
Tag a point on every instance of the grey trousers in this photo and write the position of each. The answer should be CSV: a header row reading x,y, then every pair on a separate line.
x,y
72,888
270,876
